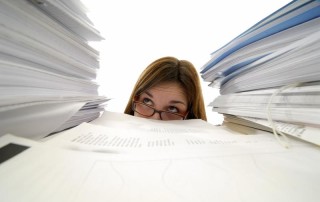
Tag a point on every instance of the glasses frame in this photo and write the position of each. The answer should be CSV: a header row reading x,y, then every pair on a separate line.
x,y
157,111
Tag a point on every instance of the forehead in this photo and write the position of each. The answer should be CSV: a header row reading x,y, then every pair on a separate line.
x,y
173,88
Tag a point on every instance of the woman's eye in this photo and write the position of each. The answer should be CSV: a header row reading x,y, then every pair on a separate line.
x,y
147,101
173,109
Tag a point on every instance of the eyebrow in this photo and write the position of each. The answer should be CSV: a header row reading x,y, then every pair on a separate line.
x,y
171,102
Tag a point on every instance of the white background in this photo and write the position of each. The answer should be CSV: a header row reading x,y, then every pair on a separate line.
x,y
137,32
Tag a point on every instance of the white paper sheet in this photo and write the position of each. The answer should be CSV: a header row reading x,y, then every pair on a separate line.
x,y
48,173
167,139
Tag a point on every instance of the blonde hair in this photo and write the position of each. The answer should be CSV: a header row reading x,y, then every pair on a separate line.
x,y
170,69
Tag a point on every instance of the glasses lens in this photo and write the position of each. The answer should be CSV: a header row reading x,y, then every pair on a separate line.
x,y
142,109
146,110
170,116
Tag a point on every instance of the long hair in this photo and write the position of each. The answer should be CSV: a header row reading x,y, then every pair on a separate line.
x,y
170,69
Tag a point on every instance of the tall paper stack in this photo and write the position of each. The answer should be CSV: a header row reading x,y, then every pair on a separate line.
x,y
269,75
47,67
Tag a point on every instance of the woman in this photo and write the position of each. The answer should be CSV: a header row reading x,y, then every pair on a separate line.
x,y
168,89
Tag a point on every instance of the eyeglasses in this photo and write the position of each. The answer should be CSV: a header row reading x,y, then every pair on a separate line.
x,y
147,111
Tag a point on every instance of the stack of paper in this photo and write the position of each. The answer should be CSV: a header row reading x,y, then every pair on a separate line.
x,y
47,67
136,159
271,72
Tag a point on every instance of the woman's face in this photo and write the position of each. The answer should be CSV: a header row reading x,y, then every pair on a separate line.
x,y
169,98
